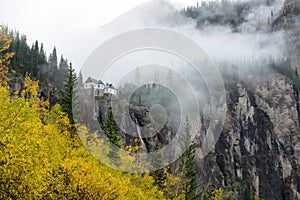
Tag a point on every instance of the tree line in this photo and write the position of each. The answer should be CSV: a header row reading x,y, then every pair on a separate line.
x,y
41,156
33,60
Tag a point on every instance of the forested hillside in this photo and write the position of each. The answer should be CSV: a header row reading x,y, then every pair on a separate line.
x,y
42,157
50,70
51,126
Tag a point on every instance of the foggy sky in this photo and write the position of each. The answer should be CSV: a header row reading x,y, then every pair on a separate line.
x,y
76,28
220,43
65,24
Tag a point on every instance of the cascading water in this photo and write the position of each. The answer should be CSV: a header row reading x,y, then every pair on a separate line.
x,y
138,128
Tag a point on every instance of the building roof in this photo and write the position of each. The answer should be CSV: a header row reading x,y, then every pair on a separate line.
x,y
112,87
107,86
100,82
95,81
92,80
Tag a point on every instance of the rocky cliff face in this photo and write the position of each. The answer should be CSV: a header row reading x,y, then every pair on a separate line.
x,y
259,145
259,148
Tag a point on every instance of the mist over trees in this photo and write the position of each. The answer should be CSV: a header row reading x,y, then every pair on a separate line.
x,y
42,157
33,60
231,13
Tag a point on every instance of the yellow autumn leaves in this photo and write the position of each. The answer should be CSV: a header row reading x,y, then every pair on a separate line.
x,y
4,56
39,160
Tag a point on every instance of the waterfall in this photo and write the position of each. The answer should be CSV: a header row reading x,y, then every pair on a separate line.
x,y
138,128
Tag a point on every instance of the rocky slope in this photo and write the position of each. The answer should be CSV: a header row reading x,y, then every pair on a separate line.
x,y
259,145
259,148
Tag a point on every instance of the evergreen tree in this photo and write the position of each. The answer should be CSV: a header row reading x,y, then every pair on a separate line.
x,y
43,58
53,59
67,99
42,70
247,193
15,47
80,80
159,175
63,71
52,67
28,60
35,59
110,128
187,165
24,55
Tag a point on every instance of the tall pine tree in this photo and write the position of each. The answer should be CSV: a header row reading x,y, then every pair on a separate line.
x,y
80,80
158,175
68,95
63,68
52,67
110,128
187,165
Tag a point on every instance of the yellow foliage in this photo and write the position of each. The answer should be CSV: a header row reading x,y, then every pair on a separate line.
x,y
173,188
5,57
217,194
38,160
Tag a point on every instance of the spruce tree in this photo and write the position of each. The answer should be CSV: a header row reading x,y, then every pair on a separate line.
x,y
159,175
34,59
187,165
43,58
67,99
63,68
52,67
80,80
110,128
247,193
42,63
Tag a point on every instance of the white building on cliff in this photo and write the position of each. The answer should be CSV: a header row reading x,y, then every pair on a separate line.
x,y
99,87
